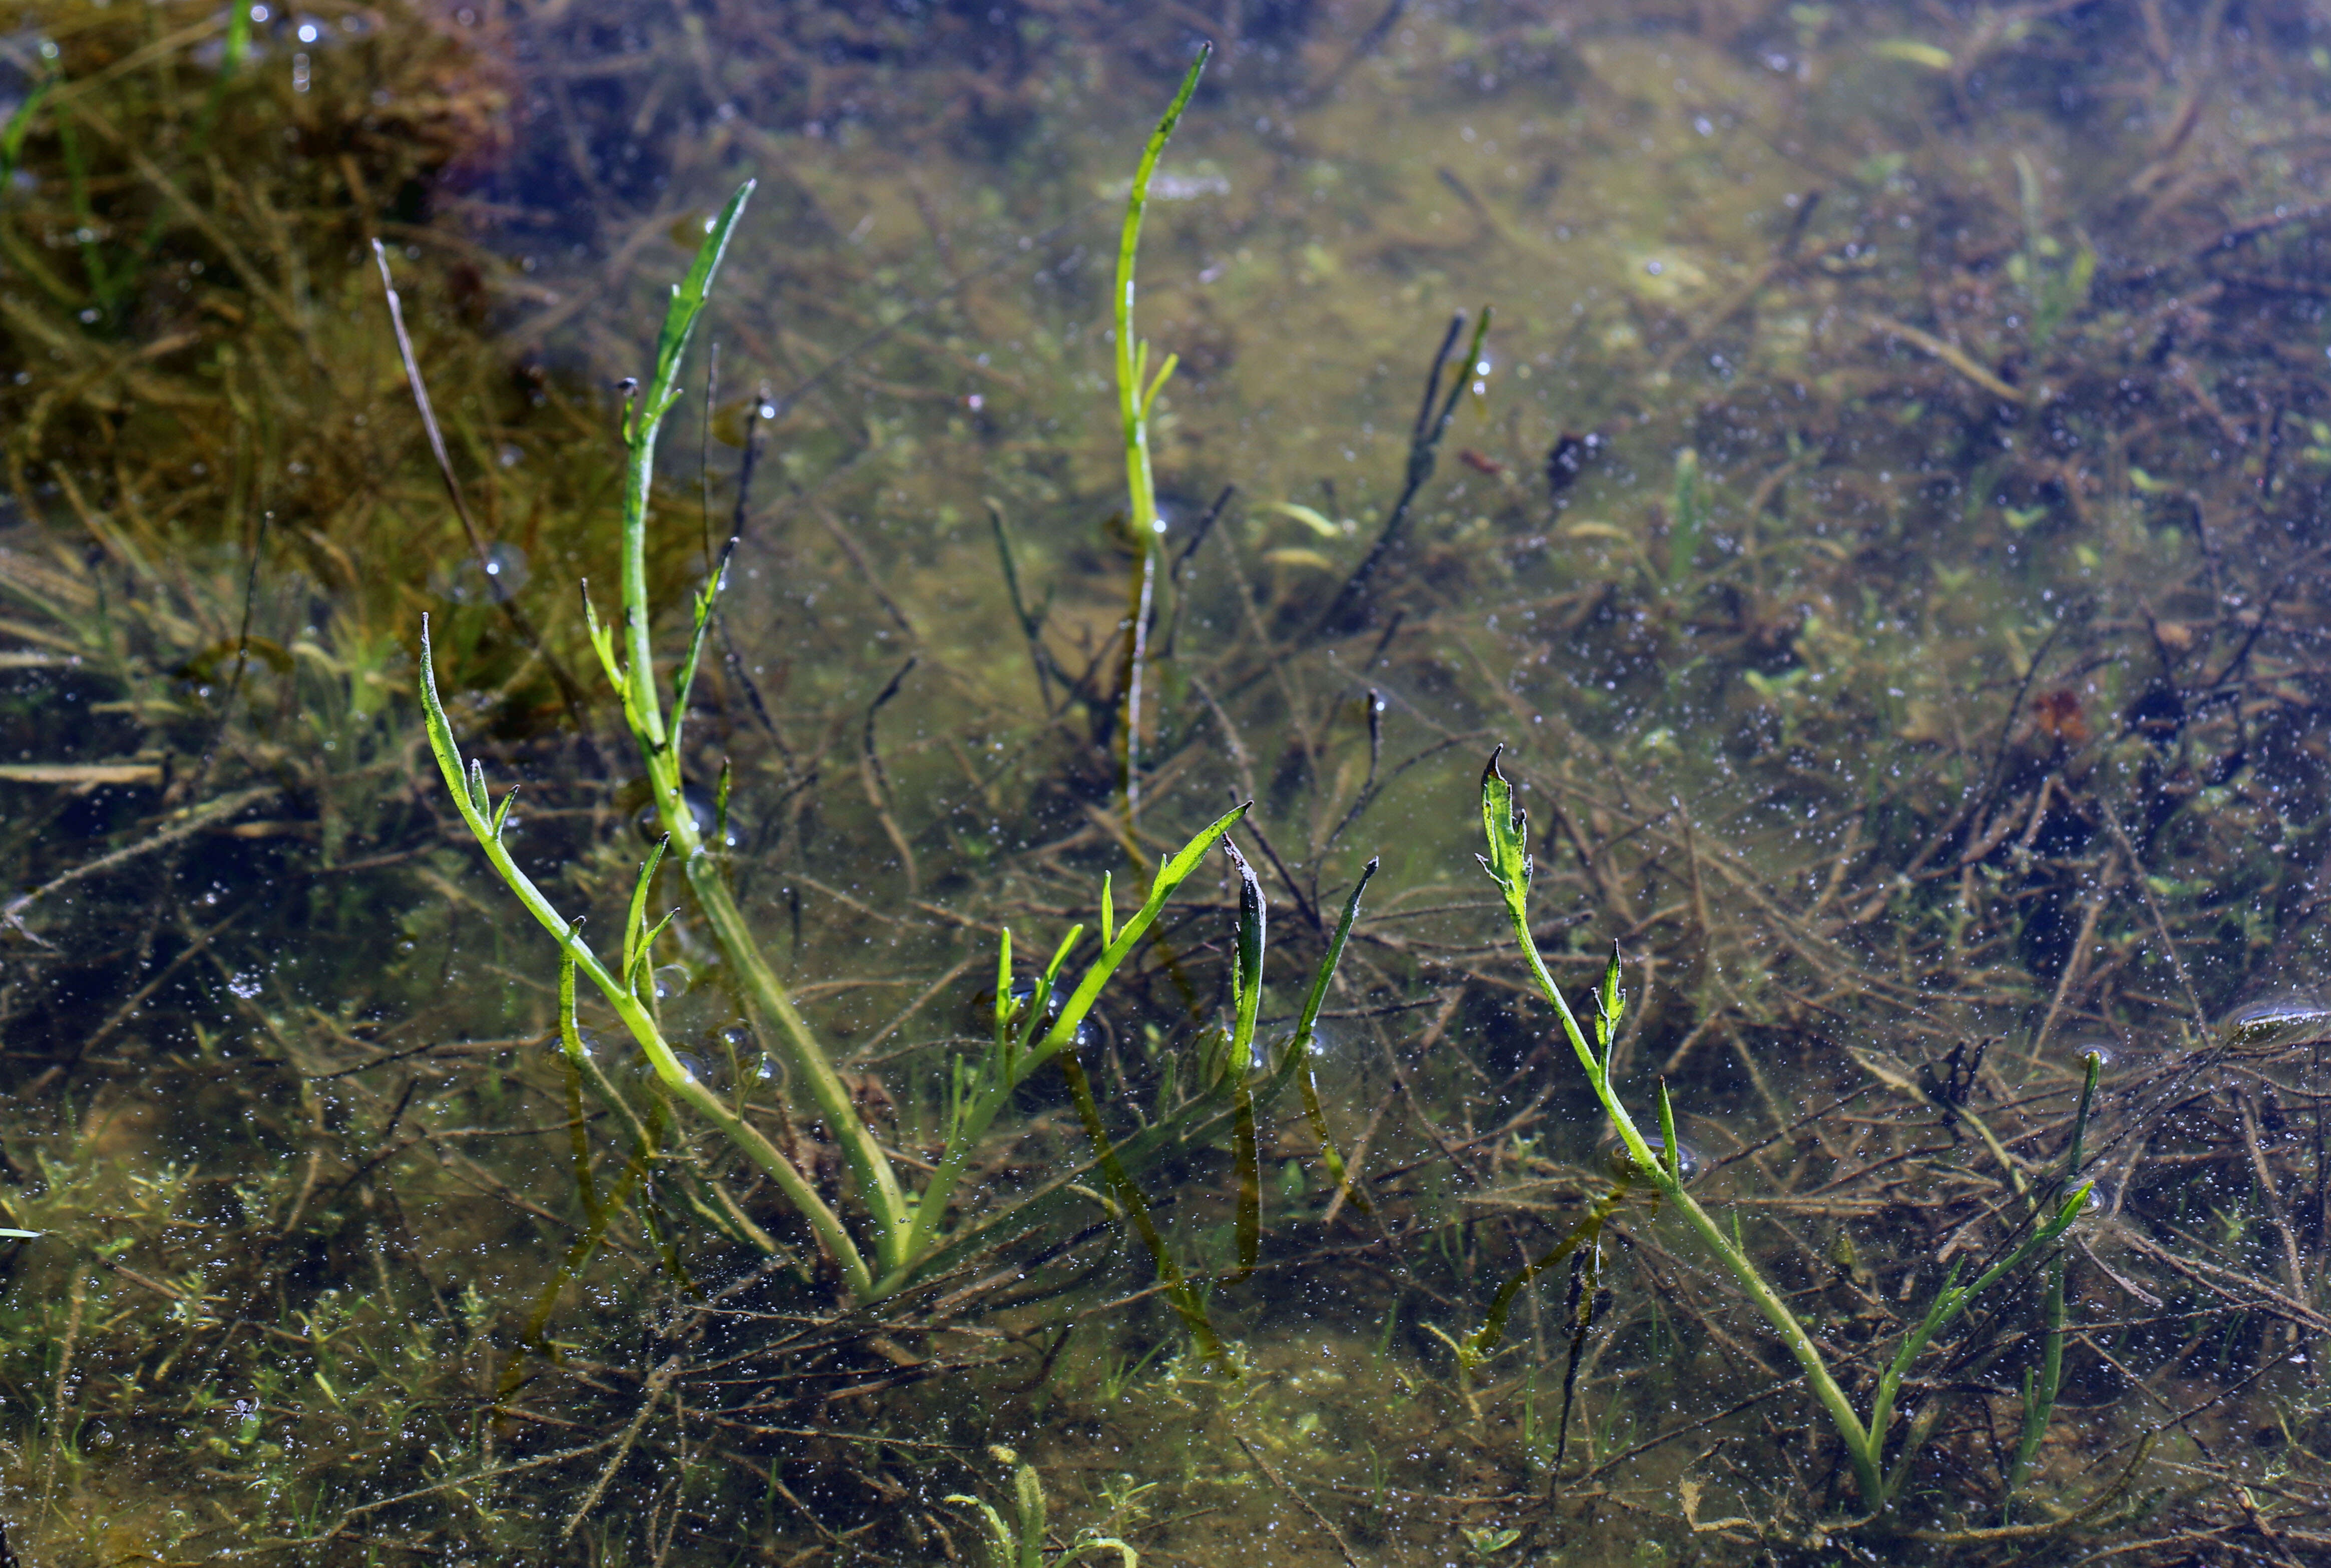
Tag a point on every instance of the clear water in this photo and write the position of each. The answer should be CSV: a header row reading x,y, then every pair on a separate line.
x,y
1882,528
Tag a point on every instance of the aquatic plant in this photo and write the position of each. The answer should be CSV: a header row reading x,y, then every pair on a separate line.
x,y
1019,1541
1894,885
1659,1161
909,1232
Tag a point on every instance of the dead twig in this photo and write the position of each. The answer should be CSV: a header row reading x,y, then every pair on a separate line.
x,y
1299,1500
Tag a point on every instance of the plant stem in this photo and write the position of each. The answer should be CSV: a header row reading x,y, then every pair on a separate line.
x,y
469,791
1060,1038
1508,863
804,1058
1133,400
1861,1445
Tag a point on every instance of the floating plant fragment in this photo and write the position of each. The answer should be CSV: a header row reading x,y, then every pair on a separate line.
x,y
2278,1020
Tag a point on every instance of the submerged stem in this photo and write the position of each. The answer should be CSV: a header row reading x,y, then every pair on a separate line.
x,y
1508,864
1133,402
618,995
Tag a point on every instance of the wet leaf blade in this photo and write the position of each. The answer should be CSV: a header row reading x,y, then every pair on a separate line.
x,y
635,921
1170,877
688,301
1246,957
1298,1049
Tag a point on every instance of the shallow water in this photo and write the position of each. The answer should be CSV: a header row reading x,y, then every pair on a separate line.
x,y
1881,527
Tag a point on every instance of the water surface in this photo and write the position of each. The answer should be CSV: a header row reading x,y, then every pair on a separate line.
x,y
1881,527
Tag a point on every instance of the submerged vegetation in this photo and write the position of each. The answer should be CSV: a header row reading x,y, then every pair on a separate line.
x,y
1878,523
911,1239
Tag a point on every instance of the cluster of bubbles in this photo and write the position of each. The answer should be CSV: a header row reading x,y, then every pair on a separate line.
x,y
1621,1162
701,806
723,1057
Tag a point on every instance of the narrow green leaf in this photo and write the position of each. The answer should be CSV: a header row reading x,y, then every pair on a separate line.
x,y
687,298
1170,877
639,964
1671,1151
1212,1052
238,38
1028,1494
1132,355
603,641
1108,910
637,919
20,124
1299,1048
1039,1000
1164,374
1689,516
501,811
1246,958
1003,995
1317,996
440,730
683,681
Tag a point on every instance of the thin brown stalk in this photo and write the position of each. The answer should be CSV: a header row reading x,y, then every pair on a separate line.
x,y
1301,1501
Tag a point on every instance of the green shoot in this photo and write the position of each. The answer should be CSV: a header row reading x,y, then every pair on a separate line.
x,y
1507,861
1298,1049
618,995
20,124
2040,1391
1132,357
893,1236
1134,398
1689,519
1246,988
1019,1543
635,923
